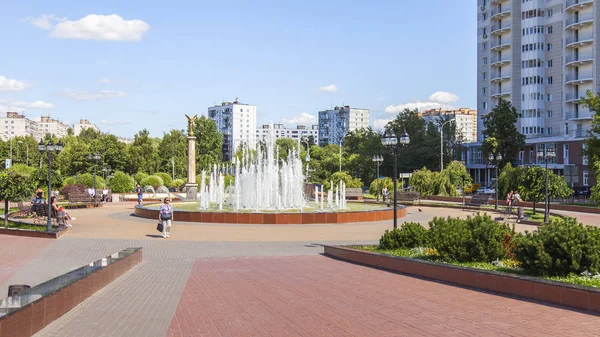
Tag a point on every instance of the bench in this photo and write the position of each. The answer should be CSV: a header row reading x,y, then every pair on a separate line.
x,y
41,215
413,196
354,194
82,197
476,201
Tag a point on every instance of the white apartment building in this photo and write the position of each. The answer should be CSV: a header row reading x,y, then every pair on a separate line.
x,y
465,120
51,126
336,123
17,125
237,122
280,131
82,125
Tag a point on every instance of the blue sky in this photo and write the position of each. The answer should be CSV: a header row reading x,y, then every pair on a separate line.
x,y
129,65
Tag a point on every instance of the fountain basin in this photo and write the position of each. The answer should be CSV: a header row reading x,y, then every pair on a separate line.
x,y
356,212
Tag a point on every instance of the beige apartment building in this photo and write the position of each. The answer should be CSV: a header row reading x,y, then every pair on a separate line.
x,y
465,120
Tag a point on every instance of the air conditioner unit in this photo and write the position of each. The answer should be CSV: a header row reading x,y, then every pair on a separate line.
x,y
485,36
483,8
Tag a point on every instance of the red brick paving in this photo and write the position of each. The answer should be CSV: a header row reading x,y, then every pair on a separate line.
x,y
318,296
15,252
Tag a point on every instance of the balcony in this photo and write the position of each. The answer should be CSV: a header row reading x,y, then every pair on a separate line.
x,y
581,20
499,92
499,13
580,59
572,97
500,44
498,61
500,76
581,133
579,41
577,78
493,2
579,115
577,5
500,28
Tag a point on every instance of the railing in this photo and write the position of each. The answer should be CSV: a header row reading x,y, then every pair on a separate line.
x,y
586,75
577,2
500,59
500,10
504,91
572,96
580,57
581,18
497,43
499,27
578,114
580,38
497,75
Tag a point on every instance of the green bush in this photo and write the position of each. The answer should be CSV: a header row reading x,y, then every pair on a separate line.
x,y
122,183
476,239
409,235
229,181
86,179
154,181
350,181
165,177
69,181
560,248
381,183
176,183
140,176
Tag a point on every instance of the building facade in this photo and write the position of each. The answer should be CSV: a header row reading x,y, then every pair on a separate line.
x,y
465,120
280,131
237,123
17,125
82,125
336,123
51,126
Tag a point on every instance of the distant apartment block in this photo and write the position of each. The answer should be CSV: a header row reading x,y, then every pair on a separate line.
x,y
465,121
82,125
17,125
336,123
237,123
51,126
280,131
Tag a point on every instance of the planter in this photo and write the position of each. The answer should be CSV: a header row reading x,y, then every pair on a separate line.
x,y
531,288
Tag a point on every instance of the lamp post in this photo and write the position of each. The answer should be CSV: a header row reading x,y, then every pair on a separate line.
x,y
494,160
377,160
546,154
27,151
95,157
49,148
442,144
390,140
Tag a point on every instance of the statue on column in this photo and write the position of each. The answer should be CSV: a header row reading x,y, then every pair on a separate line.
x,y
191,124
191,186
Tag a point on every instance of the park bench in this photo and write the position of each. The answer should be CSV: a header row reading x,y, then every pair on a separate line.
x,y
413,196
476,201
41,215
82,197
354,194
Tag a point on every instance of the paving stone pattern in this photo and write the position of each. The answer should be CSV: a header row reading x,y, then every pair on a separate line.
x,y
15,252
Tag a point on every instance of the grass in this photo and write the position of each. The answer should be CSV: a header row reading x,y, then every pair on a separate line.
x,y
31,227
429,255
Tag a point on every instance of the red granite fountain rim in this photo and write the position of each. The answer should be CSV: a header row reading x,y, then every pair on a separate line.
x,y
273,212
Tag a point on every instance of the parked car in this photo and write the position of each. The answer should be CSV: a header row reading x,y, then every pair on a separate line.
x,y
485,190
582,192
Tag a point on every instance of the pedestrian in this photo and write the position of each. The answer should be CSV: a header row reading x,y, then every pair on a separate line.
x,y
385,193
104,194
509,198
91,192
140,193
165,215
517,202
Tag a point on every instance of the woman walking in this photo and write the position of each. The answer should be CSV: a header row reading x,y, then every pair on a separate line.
x,y
165,215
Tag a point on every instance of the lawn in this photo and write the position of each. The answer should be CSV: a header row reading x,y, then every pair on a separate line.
x,y
37,228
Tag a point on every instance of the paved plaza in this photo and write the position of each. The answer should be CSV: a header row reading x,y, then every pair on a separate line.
x,y
263,280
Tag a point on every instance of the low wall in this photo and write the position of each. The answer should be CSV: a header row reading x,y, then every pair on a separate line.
x,y
567,295
26,314
276,218
32,233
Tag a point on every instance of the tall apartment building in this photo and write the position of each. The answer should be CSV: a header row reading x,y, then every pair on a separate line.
x,y
17,125
82,125
280,131
336,123
51,126
237,122
542,55
465,121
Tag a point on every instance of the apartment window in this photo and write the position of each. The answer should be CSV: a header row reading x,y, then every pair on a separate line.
x,y
485,60
484,31
549,113
567,129
549,97
549,13
549,80
549,63
549,29
484,45
484,90
566,152
484,75
484,105
484,16
586,181
521,155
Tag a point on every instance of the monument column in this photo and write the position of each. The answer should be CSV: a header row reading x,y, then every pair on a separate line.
x,y
191,187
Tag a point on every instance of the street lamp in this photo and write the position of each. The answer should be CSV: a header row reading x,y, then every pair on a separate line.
x,y
442,144
377,160
495,160
546,154
27,153
95,157
390,140
49,148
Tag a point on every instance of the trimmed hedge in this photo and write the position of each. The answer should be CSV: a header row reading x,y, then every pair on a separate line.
x,y
409,235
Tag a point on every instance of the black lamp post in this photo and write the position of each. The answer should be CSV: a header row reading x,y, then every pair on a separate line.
x,y
495,160
49,148
546,154
95,157
390,140
377,160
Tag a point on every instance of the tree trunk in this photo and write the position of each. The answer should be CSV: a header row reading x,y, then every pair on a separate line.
x,y
534,207
6,213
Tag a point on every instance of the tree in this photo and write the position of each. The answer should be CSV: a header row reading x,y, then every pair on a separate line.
x,y
532,186
509,179
154,181
423,181
457,174
113,152
285,146
165,177
14,186
500,124
173,153
209,143
359,148
122,183
342,176
143,153
73,159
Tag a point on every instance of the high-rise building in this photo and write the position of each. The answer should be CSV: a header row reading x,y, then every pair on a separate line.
x,y
280,131
82,125
17,125
237,122
465,121
336,123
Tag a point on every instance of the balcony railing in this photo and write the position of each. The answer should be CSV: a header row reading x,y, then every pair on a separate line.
x,y
500,92
581,57
571,3
497,43
581,76
582,18
499,27
573,96
504,58
578,39
501,10
500,75
579,115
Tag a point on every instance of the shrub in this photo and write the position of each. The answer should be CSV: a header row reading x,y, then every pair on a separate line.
x,y
69,181
229,181
560,248
122,183
165,177
140,176
86,179
350,181
70,188
381,183
176,183
476,239
154,181
410,235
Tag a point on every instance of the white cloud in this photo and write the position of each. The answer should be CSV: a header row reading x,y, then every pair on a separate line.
x,y
302,118
107,80
12,85
44,21
89,95
20,106
444,97
115,122
379,124
101,27
328,88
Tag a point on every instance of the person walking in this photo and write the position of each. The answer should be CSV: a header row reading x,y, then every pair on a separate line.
x,y
517,202
165,215
140,193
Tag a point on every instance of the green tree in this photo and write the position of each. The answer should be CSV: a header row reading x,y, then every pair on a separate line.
x,y
500,124
14,186
285,146
377,185
457,174
73,158
359,148
350,181
166,178
509,179
113,152
154,181
423,181
143,153
532,187
122,183
209,143
173,153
